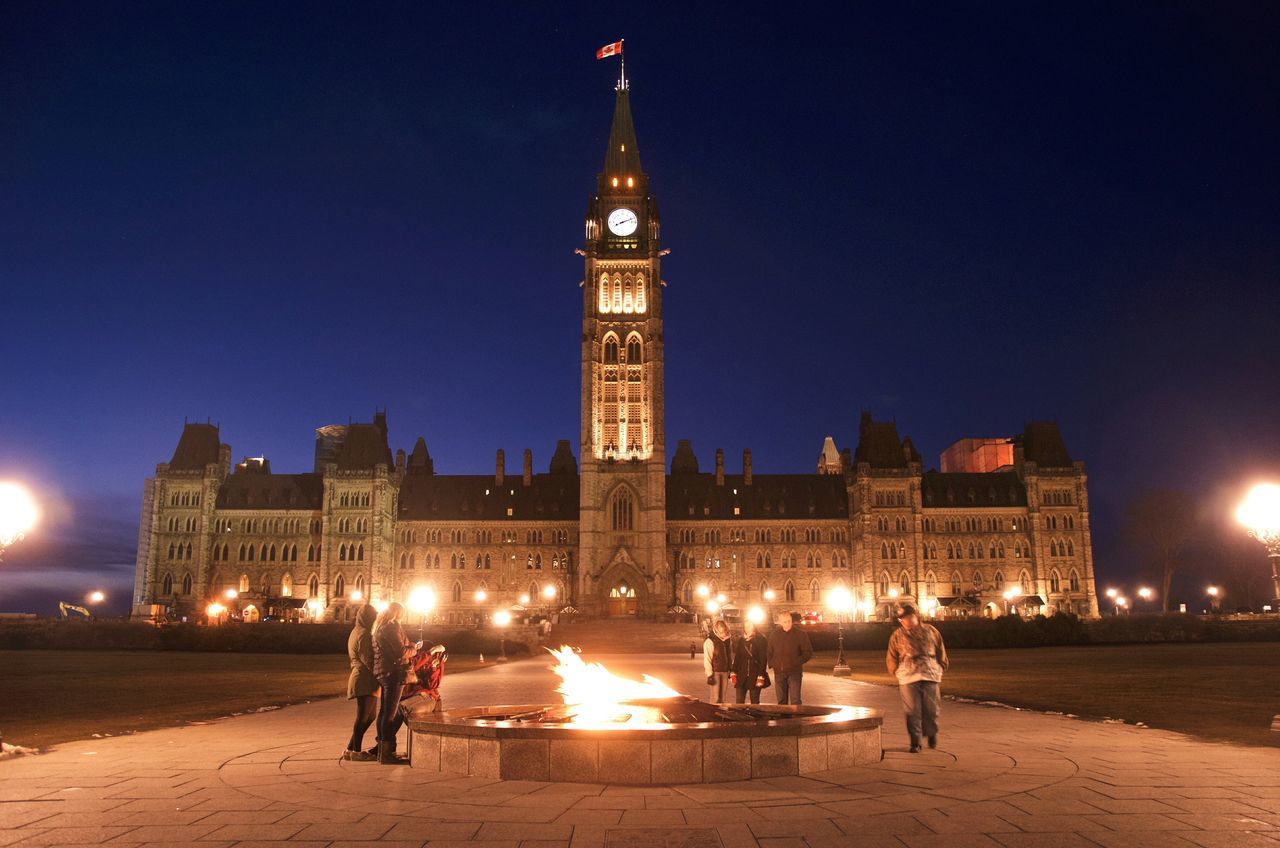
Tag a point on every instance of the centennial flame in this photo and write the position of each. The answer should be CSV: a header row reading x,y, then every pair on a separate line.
x,y
599,697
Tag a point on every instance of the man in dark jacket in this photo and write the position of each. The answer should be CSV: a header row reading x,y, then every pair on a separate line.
x,y
750,657
789,650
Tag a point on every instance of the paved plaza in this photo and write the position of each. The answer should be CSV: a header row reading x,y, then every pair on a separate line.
x,y
1001,778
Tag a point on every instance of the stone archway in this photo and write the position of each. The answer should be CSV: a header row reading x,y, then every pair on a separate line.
x,y
621,602
621,589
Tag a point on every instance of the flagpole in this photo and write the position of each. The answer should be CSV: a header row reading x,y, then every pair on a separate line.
x,y
622,50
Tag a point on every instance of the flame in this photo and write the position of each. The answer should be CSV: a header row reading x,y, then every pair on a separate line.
x,y
599,695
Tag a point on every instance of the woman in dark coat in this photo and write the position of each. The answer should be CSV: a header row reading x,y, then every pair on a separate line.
x,y
749,665
362,687
391,655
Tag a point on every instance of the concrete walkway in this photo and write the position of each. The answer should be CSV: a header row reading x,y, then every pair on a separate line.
x,y
1001,777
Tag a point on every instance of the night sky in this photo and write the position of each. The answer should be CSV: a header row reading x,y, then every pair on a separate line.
x,y
962,217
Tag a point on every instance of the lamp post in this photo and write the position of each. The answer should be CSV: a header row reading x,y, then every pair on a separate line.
x,y
1260,515
549,596
422,601
480,597
840,602
1011,594
501,620
768,597
1215,598
1145,594
1114,593
1122,603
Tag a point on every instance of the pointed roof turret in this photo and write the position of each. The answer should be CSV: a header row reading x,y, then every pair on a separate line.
x,y
420,459
622,158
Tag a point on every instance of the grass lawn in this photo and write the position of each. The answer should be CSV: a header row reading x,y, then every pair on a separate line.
x,y
1224,691
60,696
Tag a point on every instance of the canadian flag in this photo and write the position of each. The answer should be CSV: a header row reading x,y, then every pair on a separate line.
x,y
614,49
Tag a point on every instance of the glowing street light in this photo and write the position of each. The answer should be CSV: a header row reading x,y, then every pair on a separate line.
x,y
712,608
481,596
756,616
703,591
421,600
1121,603
721,599
868,609
357,596
213,612
18,513
1215,597
1260,515
379,605
502,620
1145,593
96,597
549,592
524,600
769,595
1011,594
316,608
231,594
841,603
893,594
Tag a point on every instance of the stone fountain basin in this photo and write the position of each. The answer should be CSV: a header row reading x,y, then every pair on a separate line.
x,y
794,740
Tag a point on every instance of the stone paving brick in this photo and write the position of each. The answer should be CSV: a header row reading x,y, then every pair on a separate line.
x,y
1043,840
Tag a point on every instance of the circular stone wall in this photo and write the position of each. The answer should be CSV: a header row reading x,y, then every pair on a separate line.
x,y
800,741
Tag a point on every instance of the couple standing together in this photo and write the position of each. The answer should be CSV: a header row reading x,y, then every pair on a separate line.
x,y
744,662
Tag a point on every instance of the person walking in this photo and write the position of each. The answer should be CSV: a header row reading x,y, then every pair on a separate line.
x,y
391,655
362,686
748,669
715,661
917,656
789,650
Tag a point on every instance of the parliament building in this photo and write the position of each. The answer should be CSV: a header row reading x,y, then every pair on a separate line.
x,y
1003,526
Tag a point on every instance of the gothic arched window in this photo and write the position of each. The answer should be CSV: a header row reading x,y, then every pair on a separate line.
x,y
166,585
313,587
633,350
622,511
611,350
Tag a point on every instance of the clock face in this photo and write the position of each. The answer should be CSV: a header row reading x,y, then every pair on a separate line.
x,y
622,222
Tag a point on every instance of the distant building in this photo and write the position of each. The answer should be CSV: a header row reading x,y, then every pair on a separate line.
x,y
624,535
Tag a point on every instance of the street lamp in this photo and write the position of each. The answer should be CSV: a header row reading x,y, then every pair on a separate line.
x,y
501,620
524,600
1145,593
315,607
703,591
213,613
18,513
548,595
1011,594
481,596
1215,597
357,596
96,597
840,602
1260,515
755,615
422,601
868,609
1114,593
1121,603
231,594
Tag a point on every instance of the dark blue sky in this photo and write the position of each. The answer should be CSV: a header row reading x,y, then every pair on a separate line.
x,y
963,217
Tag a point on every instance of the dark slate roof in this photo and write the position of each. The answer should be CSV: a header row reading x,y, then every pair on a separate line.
x,y
684,461
623,155
271,491
770,496
562,461
1042,444
462,497
197,448
880,447
420,458
364,447
999,488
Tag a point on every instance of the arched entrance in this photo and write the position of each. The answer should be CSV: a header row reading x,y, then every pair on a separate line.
x,y
622,600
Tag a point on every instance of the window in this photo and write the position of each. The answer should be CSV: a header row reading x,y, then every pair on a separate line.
x,y
904,583
340,586
611,350
955,583
623,510
1074,580
1055,582
313,587
166,585
999,581
633,350
789,591
286,585
815,592
456,593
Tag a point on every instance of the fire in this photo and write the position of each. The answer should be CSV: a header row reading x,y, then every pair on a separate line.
x,y
599,696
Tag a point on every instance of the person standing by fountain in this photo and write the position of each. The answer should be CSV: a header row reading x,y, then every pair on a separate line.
x,y
362,686
715,660
918,657
789,650
749,671
391,655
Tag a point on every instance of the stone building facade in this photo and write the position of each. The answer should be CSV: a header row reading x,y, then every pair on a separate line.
x,y
624,535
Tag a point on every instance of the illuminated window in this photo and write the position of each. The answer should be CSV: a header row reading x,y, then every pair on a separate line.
x,y
631,182
617,294
615,182
604,292
626,296
640,299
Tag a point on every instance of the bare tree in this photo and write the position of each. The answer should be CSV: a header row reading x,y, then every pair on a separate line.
x,y
1162,522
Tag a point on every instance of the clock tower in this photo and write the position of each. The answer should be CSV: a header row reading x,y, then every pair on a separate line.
x,y
622,542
